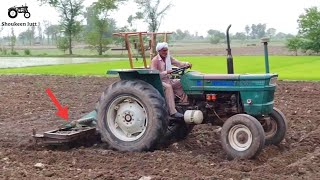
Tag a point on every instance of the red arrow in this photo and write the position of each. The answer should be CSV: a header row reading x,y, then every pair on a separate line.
x,y
62,111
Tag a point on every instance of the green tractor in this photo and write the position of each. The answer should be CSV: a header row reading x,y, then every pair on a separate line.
x,y
131,114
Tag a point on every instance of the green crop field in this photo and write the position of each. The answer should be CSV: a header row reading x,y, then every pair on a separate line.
x,y
288,67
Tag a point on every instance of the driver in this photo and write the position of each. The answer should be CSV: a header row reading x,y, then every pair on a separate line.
x,y
163,63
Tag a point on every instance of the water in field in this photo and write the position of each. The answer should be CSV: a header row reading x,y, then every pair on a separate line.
x,y
14,62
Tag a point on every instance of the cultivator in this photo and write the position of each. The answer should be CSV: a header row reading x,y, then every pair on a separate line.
x,y
83,128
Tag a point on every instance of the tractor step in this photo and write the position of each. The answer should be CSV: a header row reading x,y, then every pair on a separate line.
x,y
65,135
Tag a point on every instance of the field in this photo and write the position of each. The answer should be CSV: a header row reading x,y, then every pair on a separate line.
x,y
177,48
24,106
288,67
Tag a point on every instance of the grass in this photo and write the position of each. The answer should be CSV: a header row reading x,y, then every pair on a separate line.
x,y
288,67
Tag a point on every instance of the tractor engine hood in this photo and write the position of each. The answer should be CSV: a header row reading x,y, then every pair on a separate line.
x,y
195,82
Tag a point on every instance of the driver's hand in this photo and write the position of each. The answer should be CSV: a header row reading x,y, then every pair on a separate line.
x,y
169,71
189,65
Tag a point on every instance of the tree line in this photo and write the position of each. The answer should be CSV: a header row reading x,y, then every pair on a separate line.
x,y
308,38
97,33
255,31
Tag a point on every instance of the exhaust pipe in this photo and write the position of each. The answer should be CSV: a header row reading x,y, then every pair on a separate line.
x,y
229,55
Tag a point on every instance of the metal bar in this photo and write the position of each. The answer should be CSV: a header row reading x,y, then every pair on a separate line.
x,y
152,47
128,33
266,57
142,50
165,37
124,33
265,41
129,50
160,33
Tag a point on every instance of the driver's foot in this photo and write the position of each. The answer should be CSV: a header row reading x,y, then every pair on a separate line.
x,y
177,115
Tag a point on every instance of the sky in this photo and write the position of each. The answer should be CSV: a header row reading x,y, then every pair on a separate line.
x,y
195,16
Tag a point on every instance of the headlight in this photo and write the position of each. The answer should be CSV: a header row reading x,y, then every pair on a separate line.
x,y
273,81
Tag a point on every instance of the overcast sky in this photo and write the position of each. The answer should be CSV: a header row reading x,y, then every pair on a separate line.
x,y
193,15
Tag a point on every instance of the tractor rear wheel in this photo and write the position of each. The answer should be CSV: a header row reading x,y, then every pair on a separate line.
x,y
242,137
12,13
132,116
275,127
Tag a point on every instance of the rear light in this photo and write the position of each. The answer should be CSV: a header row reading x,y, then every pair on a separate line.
x,y
211,97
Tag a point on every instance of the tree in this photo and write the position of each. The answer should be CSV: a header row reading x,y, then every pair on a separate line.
x,y
46,32
151,13
247,29
309,28
32,34
40,33
240,35
27,36
69,11
280,35
23,36
13,40
1,28
63,44
271,32
179,35
215,36
253,33
100,24
258,30
294,44
53,31
261,30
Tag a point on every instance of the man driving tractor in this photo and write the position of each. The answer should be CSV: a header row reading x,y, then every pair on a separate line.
x,y
172,87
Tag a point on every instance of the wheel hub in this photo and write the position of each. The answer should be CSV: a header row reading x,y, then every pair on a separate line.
x,y
240,137
128,119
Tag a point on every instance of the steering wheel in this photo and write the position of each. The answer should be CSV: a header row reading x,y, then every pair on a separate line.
x,y
182,69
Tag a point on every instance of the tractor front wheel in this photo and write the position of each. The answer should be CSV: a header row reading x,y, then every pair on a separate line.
x,y
275,127
132,116
242,137
27,15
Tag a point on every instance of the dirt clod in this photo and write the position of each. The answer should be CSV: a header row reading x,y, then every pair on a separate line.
x,y
39,165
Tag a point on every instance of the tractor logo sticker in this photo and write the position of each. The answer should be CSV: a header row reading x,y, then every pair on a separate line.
x,y
13,11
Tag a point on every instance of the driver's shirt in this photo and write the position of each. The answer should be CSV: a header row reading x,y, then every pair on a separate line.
x,y
157,63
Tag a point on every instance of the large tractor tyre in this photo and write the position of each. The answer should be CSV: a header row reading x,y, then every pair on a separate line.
x,y
242,137
275,127
132,116
12,13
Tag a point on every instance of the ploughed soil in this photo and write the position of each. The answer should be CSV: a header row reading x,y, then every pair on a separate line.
x,y
24,105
